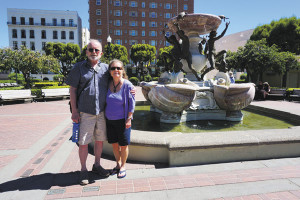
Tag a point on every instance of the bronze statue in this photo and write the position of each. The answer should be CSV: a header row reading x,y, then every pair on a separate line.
x,y
174,56
210,50
185,49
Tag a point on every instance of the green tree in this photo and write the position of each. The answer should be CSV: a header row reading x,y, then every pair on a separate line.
x,y
160,61
256,57
115,51
82,55
285,33
67,54
142,55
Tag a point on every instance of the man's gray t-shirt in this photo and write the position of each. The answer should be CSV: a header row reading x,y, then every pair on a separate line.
x,y
93,96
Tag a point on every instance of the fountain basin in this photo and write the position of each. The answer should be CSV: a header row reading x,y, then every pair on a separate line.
x,y
177,149
199,23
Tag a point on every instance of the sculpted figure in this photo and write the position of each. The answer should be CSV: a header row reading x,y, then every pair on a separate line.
x,y
210,50
174,56
185,49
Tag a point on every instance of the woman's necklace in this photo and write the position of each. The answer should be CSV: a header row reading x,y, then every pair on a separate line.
x,y
115,86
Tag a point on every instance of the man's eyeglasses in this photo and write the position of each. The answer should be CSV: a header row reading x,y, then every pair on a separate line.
x,y
92,50
115,68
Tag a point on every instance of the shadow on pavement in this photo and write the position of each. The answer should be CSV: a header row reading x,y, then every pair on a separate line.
x,y
45,181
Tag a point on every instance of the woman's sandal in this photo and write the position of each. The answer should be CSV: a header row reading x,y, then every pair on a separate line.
x,y
121,172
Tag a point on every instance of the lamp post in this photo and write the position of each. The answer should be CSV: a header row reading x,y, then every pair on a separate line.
x,y
108,47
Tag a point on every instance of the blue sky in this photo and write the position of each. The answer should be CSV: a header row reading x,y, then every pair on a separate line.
x,y
243,14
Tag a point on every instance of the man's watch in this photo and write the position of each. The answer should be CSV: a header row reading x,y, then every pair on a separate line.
x,y
130,117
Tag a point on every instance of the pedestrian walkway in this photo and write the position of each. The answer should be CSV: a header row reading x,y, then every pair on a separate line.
x,y
37,161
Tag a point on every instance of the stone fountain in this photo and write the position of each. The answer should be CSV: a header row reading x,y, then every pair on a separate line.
x,y
192,97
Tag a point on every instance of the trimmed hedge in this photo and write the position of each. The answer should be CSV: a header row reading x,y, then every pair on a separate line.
x,y
45,84
134,80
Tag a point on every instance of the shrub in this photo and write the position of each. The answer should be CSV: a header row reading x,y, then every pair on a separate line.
x,y
12,76
12,88
243,76
57,77
134,80
155,78
148,78
45,84
36,92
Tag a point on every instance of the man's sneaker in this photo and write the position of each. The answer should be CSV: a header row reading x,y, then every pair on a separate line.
x,y
84,178
100,171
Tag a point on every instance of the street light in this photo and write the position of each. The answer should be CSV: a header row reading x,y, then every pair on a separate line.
x,y
108,47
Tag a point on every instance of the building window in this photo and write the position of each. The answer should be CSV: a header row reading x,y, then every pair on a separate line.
x,y
15,45
31,35
168,15
133,13
133,33
55,35
133,4
23,43
22,20
98,21
71,22
117,13
118,32
152,42
23,34
14,33
71,35
153,24
153,15
43,21
117,22
143,42
143,33
118,41
133,23
98,2
168,6
63,35
43,46
43,34
32,46
132,42
143,23
153,33
54,22
63,22
153,5
98,12
99,31
13,20
143,5
117,3
143,14
185,7
31,21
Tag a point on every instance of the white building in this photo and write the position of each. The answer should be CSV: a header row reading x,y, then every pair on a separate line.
x,y
34,28
85,37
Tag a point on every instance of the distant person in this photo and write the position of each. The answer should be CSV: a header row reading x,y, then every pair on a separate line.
x,y
119,110
262,91
232,80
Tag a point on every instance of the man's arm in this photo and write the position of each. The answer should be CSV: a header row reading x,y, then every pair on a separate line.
x,y
73,99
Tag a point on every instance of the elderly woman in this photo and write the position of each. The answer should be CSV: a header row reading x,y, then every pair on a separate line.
x,y
119,110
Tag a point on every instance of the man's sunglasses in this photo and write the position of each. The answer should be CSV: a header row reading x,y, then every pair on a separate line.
x,y
92,50
114,68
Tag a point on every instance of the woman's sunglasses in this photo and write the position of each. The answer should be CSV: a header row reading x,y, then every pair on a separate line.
x,y
114,68
92,50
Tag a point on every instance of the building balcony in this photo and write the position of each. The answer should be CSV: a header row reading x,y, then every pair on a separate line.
x,y
40,24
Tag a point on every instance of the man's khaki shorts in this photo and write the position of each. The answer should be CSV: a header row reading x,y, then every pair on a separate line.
x,y
92,127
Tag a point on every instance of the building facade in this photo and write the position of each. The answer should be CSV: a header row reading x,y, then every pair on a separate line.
x,y
134,22
33,28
